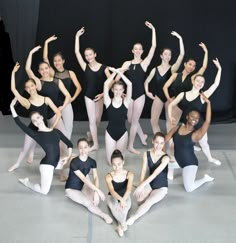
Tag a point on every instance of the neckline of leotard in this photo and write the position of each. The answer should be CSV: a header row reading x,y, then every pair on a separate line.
x,y
184,134
164,73
158,159
193,99
57,71
93,70
117,107
37,105
120,181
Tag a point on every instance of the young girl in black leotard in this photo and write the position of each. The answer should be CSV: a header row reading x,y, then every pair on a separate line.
x,y
192,100
116,136
79,188
48,139
35,102
68,78
153,188
136,69
119,182
185,136
95,76
161,74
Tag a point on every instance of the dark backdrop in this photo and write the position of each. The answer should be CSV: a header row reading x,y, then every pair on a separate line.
x,y
113,26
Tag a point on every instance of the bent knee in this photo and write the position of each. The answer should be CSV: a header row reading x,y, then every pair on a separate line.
x,y
188,188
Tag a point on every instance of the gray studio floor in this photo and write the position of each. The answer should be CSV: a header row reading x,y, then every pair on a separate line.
x,y
206,215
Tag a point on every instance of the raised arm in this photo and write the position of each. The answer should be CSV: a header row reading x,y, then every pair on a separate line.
x,y
174,102
76,84
145,63
45,53
216,83
205,61
23,101
168,84
29,70
79,57
146,83
65,93
197,135
179,60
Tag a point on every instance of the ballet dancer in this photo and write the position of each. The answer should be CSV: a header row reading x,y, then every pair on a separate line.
x,y
185,136
78,186
35,102
68,78
95,75
161,74
116,136
119,182
48,139
154,187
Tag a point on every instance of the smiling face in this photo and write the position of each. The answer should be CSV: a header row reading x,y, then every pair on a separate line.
x,y
83,148
193,118
58,62
37,120
90,55
199,82
118,89
190,66
44,70
137,50
30,87
158,143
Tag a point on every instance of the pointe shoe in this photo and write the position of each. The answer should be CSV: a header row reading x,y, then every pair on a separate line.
x,y
209,178
13,167
215,161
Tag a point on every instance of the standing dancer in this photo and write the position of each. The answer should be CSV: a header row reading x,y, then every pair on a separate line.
x,y
185,136
68,78
153,188
136,69
116,136
79,188
35,102
162,73
119,182
193,100
95,76
48,139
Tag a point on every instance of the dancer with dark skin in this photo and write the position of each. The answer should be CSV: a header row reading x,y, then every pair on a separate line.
x,y
48,139
35,102
95,76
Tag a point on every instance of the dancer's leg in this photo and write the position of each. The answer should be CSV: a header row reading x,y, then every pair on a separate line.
x,y
110,144
68,118
156,109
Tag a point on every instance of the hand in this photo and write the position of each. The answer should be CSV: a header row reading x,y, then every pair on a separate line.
x,y
149,25
80,32
122,204
203,96
51,38
96,198
13,102
203,46
100,194
112,69
60,108
16,67
217,63
139,191
98,97
35,49
174,33
150,95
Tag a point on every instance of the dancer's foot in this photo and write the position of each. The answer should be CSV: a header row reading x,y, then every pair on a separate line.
x,y
30,158
107,219
93,148
124,226
130,221
89,136
133,150
120,231
24,181
215,161
13,167
208,178
144,141
196,148
170,174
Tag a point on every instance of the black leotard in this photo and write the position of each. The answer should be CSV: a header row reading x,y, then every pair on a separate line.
x,y
186,105
51,89
73,181
136,75
180,85
120,187
64,76
183,149
49,141
94,81
161,179
160,82
116,121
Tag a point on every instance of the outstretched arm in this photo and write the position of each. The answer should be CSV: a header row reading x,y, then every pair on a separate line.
x,y
205,61
145,63
23,101
29,70
79,57
45,53
216,83
179,60
146,83
197,135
